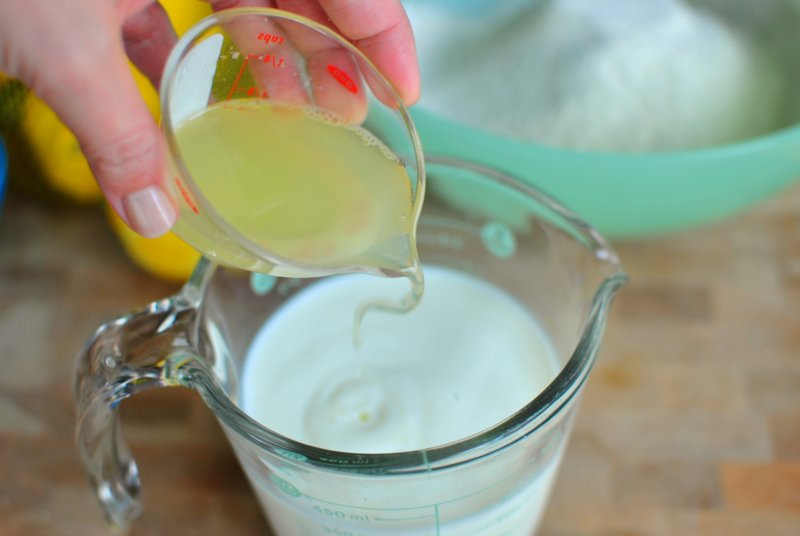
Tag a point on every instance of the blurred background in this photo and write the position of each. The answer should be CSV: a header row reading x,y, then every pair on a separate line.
x,y
670,125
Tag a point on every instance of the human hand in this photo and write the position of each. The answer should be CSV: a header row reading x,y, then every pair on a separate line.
x,y
74,55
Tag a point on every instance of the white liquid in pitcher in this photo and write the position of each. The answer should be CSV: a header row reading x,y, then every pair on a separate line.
x,y
465,359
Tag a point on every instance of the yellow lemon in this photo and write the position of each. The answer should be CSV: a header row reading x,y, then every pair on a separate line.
x,y
58,153
167,257
184,13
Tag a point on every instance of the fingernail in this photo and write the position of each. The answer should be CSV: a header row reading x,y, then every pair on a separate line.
x,y
149,211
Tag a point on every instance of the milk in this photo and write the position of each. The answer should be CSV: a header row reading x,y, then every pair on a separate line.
x,y
465,359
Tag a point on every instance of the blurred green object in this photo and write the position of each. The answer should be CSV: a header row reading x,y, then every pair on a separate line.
x,y
3,169
632,195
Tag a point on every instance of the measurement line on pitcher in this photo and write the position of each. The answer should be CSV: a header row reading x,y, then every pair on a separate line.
x,y
344,512
434,506
370,508
336,513
404,518
514,493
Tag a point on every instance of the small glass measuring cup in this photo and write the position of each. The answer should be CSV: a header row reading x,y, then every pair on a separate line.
x,y
262,55
476,221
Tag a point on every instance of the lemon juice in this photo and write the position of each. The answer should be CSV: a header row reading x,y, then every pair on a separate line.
x,y
301,184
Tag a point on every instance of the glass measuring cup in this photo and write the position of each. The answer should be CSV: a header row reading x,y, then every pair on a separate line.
x,y
304,154
476,221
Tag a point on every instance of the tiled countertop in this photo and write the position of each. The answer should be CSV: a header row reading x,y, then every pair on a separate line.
x,y
690,423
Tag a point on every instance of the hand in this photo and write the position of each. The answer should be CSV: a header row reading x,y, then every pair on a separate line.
x,y
73,55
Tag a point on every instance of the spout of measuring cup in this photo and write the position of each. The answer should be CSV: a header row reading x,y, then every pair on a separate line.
x,y
609,271
601,273
598,277
614,280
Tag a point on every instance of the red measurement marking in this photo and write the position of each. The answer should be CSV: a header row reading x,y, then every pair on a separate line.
x,y
186,196
251,91
270,38
268,58
241,72
276,61
238,77
343,79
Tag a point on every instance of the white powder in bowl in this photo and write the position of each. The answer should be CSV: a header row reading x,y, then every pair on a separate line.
x,y
616,75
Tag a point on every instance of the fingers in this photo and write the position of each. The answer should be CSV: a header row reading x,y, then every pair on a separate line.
x,y
271,61
73,58
219,5
268,60
98,99
381,30
379,27
337,84
292,64
149,38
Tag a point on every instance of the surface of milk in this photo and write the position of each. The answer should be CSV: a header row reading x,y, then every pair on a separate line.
x,y
466,358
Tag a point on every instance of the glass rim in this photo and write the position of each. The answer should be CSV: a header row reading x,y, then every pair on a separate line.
x,y
178,53
534,415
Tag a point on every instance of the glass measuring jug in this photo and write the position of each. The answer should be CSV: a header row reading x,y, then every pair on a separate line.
x,y
289,152
477,222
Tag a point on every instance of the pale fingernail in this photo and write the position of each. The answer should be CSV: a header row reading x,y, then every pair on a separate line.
x,y
149,211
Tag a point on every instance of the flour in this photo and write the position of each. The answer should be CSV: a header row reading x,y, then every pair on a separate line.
x,y
617,75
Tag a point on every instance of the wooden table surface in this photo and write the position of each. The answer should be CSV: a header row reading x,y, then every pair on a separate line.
x,y
690,423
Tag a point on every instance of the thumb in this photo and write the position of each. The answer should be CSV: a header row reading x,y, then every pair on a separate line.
x,y
119,137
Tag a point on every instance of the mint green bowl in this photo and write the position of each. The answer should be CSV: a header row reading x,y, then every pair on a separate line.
x,y
632,195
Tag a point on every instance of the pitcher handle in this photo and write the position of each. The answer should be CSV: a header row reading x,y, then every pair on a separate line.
x,y
139,351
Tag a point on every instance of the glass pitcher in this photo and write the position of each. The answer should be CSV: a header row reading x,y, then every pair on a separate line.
x,y
477,221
